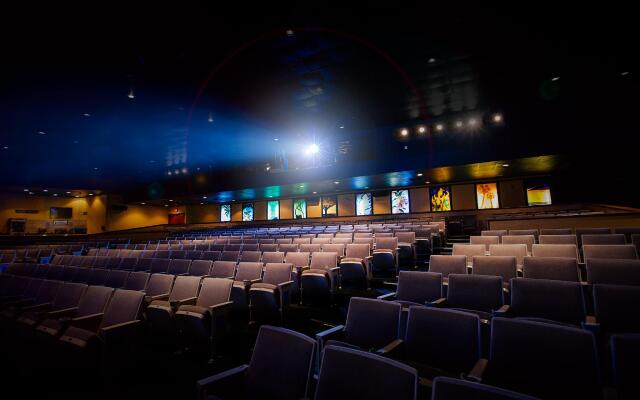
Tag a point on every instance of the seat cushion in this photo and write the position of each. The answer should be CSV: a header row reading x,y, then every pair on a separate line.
x,y
263,286
79,337
51,327
194,309
315,271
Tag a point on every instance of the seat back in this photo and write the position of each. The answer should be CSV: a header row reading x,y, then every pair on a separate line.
x,y
210,255
616,307
503,266
475,292
406,237
613,272
288,248
559,239
200,267
280,366
556,231
372,323
272,257
591,231
527,240
229,256
334,248
469,250
625,352
361,251
185,287
519,251
310,248
419,287
387,243
47,292
321,260
137,281
223,269
400,382
485,240
179,267
250,256
555,268
555,250
500,233
448,264
94,300
268,248
123,307
214,291
116,279
614,251
248,271
298,259
604,239
98,277
159,265
277,273
445,339
159,284
554,300
545,360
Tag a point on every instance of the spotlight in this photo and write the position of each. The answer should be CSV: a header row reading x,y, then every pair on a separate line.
x,y
204,197
25,190
505,165
210,119
341,126
404,132
90,194
312,149
184,170
439,127
624,73
555,79
275,139
497,118
315,192
143,203
169,173
422,130
419,174
336,182
68,192
472,122
55,195
45,190
432,60
131,95
458,124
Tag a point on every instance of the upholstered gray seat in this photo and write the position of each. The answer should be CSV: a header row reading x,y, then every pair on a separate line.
x,y
160,312
555,268
613,271
503,266
200,267
270,298
320,281
481,294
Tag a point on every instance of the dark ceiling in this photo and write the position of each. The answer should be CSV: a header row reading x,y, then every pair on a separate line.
x,y
213,88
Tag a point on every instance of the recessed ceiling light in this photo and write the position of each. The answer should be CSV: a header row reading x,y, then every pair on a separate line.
x,y
68,192
76,196
422,129
624,73
458,124
170,200
289,32
55,194
341,126
42,133
555,79
497,117
86,114
315,192
166,205
366,187
505,165
131,95
336,182
301,186
45,190
204,197
432,60
419,174
95,168
143,203
404,132
406,147
428,182
439,127
275,139
30,192
25,190
90,194
270,197
472,121
201,203
5,147
233,200
210,119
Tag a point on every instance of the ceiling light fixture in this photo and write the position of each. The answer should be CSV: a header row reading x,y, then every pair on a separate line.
x,y
439,127
419,173
336,182
505,165
210,119
86,115
42,133
131,95
312,149
497,118
404,132
45,190
624,73
555,79
25,190
5,147
422,129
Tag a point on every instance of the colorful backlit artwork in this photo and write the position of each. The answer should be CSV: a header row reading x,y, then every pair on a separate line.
x,y
364,204
440,198
273,210
225,213
539,194
247,212
399,202
299,208
487,195
329,206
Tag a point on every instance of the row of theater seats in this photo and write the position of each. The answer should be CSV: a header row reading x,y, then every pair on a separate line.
x,y
399,352
519,251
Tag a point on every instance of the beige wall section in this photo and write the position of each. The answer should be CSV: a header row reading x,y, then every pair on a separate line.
x,y
347,204
286,209
382,204
314,209
97,214
419,200
137,217
206,213
236,212
260,210
463,197
512,194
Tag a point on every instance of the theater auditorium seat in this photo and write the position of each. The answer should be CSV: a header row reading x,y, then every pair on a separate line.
x,y
613,271
281,367
270,298
355,267
556,268
320,281
160,312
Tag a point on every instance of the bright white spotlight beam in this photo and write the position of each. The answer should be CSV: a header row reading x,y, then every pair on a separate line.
x,y
312,149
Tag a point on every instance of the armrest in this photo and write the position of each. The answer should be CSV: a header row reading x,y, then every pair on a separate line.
x,y
223,378
331,333
177,303
441,302
89,322
149,299
66,312
391,349
220,308
590,324
37,307
478,371
285,293
388,296
122,333
504,311
120,326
